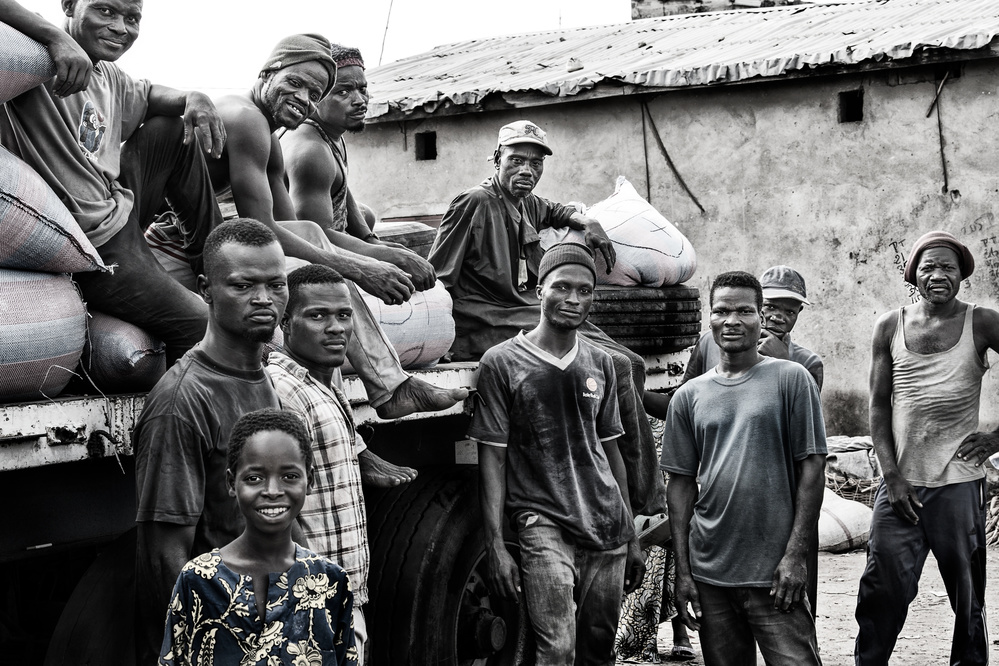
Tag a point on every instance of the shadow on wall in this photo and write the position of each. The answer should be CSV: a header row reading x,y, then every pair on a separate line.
x,y
845,412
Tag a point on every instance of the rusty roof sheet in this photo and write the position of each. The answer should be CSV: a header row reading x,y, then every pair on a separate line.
x,y
678,51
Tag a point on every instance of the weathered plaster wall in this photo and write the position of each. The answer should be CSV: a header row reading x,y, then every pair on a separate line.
x,y
782,181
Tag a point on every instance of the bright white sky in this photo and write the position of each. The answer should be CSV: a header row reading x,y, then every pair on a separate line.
x,y
217,46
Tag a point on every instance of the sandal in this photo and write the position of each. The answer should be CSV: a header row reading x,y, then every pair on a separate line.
x,y
682,653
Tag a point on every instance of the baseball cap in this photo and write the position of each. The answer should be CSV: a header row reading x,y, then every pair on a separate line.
x,y
783,282
523,131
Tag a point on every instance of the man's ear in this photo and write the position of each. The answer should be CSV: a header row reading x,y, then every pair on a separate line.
x,y
537,290
496,158
68,6
230,482
204,288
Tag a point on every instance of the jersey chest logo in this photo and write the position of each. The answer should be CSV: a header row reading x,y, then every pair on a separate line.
x,y
592,385
93,126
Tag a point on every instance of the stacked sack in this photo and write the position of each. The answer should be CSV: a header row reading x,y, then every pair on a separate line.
x,y
43,321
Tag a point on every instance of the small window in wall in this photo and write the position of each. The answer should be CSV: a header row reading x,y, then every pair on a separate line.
x,y
951,70
426,146
851,106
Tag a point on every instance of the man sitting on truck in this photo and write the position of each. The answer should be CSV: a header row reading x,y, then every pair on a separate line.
x,y
316,164
487,253
70,130
317,327
547,426
299,72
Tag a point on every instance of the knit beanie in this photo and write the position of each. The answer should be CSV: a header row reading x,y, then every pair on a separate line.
x,y
966,262
303,48
566,253
347,56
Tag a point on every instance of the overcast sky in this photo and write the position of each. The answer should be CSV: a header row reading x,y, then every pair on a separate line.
x,y
218,45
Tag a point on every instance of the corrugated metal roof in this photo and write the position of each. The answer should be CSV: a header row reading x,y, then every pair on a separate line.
x,y
679,51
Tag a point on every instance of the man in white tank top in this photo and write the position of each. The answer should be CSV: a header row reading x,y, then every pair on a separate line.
x,y
927,364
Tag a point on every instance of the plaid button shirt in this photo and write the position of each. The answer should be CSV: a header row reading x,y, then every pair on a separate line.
x,y
333,518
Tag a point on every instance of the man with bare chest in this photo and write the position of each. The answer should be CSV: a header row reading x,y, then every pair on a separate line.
x,y
927,364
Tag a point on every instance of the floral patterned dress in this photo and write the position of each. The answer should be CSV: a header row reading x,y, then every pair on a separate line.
x,y
213,616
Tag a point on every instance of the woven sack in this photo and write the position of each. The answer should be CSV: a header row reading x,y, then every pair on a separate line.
x,y
120,357
843,525
42,331
24,63
651,252
37,232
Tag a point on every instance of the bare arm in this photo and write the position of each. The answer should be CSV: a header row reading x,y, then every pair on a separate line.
x,y
792,571
595,237
681,493
901,494
503,574
73,66
634,570
980,446
201,118
162,550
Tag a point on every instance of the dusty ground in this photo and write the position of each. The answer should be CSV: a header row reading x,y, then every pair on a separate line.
x,y
924,640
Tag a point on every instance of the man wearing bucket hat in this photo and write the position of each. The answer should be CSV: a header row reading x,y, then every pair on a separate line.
x,y
927,363
487,253
547,426
299,72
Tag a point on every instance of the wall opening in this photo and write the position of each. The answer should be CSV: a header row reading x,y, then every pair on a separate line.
x,y
950,70
426,146
851,106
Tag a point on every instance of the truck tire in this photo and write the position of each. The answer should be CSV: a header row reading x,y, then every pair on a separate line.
x,y
429,603
649,320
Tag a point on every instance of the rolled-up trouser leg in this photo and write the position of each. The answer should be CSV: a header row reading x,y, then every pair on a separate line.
x,y
369,351
638,447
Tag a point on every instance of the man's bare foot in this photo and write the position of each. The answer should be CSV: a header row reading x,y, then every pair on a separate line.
x,y
415,395
378,472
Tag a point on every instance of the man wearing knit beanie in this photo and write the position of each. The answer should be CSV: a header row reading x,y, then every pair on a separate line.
x,y
547,426
927,364
315,157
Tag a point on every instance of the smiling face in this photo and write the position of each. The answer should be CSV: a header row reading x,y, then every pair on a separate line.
x,y
319,326
247,291
344,108
938,275
270,481
566,296
290,94
519,168
104,29
735,319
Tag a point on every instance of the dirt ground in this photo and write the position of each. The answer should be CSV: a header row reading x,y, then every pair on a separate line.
x,y
924,640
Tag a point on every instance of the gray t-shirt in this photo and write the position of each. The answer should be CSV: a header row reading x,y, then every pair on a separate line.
x,y
732,434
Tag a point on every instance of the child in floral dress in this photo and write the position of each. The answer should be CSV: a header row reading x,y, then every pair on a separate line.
x,y
229,607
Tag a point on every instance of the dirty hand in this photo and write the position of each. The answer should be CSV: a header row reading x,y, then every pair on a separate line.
x,y
201,119
634,567
770,345
596,238
385,281
419,270
686,592
502,573
978,447
902,497
73,65
788,588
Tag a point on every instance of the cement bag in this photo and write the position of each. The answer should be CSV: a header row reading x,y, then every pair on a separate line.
x,y
120,357
42,331
651,252
24,63
843,525
421,330
37,233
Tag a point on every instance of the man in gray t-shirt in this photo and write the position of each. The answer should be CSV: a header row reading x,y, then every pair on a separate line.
x,y
750,429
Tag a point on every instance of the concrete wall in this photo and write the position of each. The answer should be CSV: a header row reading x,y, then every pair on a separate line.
x,y
781,179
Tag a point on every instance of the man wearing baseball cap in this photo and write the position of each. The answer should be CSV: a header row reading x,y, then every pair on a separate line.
x,y
547,427
927,364
487,253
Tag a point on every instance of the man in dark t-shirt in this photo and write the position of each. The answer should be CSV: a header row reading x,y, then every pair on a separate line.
x,y
547,425
181,438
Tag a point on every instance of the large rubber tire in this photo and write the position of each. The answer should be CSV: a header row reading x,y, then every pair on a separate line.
x,y
648,320
429,604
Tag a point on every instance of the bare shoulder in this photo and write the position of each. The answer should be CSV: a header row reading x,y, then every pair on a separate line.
x,y
884,328
243,120
986,326
304,148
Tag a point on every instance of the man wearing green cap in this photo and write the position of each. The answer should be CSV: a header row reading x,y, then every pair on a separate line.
x,y
547,426
296,76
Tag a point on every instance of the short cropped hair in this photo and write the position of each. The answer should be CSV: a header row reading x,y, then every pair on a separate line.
x,y
264,420
738,280
242,231
306,275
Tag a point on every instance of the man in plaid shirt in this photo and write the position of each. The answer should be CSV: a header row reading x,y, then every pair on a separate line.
x,y
317,327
